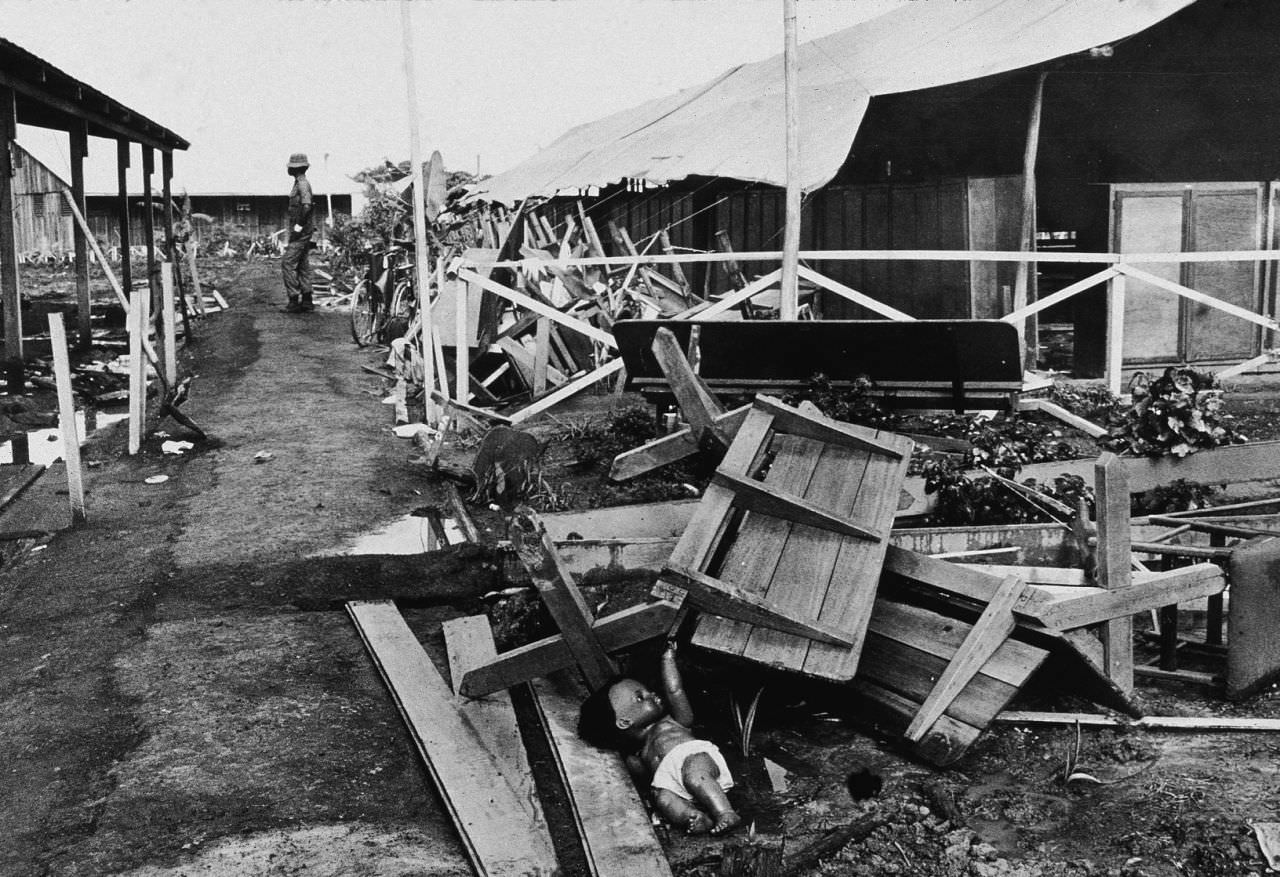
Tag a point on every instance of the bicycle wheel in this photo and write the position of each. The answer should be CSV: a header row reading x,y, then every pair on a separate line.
x,y
366,316
401,310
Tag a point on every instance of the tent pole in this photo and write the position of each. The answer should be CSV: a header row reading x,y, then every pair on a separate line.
x,y
789,297
420,257
1024,283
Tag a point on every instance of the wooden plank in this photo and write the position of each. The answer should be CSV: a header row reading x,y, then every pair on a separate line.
x,y
1075,421
1155,723
137,367
766,499
824,429
541,354
564,392
1161,589
757,547
67,417
1113,560
79,149
964,580
729,601
1034,575
10,291
699,407
988,634
537,307
18,477
545,656
560,595
617,836
469,643
945,742
1253,617
526,363
942,636
671,448
496,814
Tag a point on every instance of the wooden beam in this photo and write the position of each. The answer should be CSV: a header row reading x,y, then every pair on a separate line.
x,y
148,214
732,300
560,595
10,291
1154,723
1018,316
1114,567
1089,428
730,601
137,318
963,580
824,429
78,109
495,812
1160,589
1024,284
671,448
67,417
568,389
122,215
1200,297
168,326
789,285
537,307
757,496
543,657
697,404
854,296
79,136
987,634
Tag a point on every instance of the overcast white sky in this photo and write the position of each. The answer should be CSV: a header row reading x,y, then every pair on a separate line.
x,y
247,82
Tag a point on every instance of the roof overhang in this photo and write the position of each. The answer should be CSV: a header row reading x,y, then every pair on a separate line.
x,y
48,98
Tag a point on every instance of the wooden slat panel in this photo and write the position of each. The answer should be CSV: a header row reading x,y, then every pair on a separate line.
x,y
616,834
946,741
857,572
496,813
756,550
804,574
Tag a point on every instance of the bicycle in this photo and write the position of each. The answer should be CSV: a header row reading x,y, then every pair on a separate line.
x,y
384,302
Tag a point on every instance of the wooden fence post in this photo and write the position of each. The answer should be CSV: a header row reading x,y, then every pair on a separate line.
x,y
169,328
1114,563
67,417
1115,333
137,367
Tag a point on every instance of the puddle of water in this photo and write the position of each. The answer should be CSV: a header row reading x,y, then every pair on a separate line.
x,y
45,445
409,535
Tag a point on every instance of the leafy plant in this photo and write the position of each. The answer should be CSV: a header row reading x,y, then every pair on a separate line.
x,y
966,501
1093,402
852,404
1179,413
1177,496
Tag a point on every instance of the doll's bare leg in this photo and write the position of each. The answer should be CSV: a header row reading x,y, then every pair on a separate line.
x,y
701,777
681,813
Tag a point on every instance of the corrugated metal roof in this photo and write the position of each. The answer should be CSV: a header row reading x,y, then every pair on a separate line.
x,y
732,126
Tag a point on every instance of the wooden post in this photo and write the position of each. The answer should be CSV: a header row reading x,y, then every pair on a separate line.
x,y
67,416
790,284
1115,333
137,367
419,209
1024,282
196,291
541,352
148,214
10,293
461,353
1114,563
84,304
168,327
122,208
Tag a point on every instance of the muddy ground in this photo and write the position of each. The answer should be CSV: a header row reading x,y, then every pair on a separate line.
x,y
181,693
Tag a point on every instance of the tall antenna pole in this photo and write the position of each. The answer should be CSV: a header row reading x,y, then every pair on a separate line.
x,y
790,291
423,274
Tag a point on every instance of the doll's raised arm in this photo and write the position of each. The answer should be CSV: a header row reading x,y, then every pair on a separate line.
x,y
673,688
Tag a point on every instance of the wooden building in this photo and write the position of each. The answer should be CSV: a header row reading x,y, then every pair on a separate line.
x,y
34,92
254,215
42,218
1158,139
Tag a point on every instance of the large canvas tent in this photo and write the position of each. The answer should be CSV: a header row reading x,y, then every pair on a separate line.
x,y
732,126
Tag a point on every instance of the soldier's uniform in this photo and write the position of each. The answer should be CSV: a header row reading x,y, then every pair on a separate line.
x,y
296,262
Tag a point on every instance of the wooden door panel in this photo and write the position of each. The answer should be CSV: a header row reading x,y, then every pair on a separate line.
x,y
1146,224
1223,221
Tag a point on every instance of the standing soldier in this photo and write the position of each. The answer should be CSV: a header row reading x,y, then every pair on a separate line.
x,y
296,262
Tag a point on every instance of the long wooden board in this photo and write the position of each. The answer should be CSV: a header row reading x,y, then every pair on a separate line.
x,y
616,833
496,813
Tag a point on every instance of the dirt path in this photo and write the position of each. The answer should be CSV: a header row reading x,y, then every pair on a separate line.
x,y
168,702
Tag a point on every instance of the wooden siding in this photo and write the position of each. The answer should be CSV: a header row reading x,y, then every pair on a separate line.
x,y
42,221
253,215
